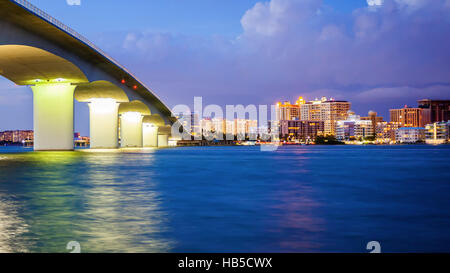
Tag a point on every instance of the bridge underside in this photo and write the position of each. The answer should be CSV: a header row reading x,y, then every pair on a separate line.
x,y
26,65
56,82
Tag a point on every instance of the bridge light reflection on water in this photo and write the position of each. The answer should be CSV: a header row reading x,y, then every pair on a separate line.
x,y
12,226
94,205
227,199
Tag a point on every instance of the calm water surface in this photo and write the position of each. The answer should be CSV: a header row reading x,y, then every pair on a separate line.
x,y
227,199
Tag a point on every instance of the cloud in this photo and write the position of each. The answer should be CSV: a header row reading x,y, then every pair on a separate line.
x,y
73,2
268,18
398,93
374,2
289,48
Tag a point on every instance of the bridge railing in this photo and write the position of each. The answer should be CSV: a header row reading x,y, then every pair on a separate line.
x,y
65,28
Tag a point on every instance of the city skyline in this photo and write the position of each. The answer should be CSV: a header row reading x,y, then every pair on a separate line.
x,y
389,112
217,52
305,121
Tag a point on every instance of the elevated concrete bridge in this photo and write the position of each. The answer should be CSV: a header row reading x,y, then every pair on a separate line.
x,y
60,65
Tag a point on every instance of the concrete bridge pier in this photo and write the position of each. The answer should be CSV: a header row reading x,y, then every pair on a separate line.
x,y
53,116
163,136
149,135
131,129
103,99
131,117
163,141
150,127
103,126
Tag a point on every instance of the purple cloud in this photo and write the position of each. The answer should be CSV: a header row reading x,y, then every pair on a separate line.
x,y
289,48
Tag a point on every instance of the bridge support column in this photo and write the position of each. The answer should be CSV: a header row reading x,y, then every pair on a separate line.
x,y
103,115
163,140
131,129
53,116
149,135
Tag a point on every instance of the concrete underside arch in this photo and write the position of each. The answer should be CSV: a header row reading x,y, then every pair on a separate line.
x,y
154,119
135,106
100,90
27,65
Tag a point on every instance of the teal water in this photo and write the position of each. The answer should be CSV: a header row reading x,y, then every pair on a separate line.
x,y
227,199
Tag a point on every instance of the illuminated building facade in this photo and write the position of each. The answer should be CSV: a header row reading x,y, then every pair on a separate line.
x,y
219,125
237,127
17,136
435,110
374,119
386,131
312,110
300,129
244,127
410,135
207,126
6,136
437,133
327,110
408,117
81,141
288,111
333,111
354,128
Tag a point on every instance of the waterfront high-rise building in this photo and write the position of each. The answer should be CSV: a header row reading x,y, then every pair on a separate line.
x,y
300,129
311,110
288,111
435,110
374,119
408,117
237,127
354,128
333,111
410,135
243,128
327,110
437,133
386,131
